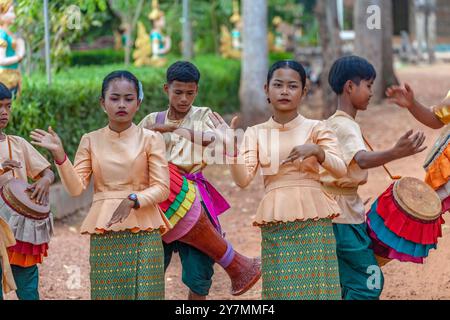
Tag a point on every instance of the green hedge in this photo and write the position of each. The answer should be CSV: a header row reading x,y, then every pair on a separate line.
x,y
71,103
96,57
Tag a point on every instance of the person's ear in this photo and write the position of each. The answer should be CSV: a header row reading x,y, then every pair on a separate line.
x,y
306,88
266,90
102,103
166,88
349,86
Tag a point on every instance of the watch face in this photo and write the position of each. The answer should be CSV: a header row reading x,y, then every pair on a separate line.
x,y
132,197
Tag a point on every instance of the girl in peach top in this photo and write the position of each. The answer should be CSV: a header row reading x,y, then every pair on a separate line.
x,y
131,177
298,245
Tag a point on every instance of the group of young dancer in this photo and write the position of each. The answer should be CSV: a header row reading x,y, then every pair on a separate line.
x,y
314,237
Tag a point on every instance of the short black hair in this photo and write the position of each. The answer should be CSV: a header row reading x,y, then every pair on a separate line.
x,y
183,71
352,68
288,64
120,74
5,93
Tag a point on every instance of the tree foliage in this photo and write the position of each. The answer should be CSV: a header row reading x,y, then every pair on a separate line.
x,y
66,27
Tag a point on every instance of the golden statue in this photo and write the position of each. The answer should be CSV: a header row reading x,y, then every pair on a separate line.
x,y
120,36
12,49
230,43
279,41
143,48
159,44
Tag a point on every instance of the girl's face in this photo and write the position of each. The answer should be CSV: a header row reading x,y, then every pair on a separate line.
x,y
9,17
121,101
361,94
285,89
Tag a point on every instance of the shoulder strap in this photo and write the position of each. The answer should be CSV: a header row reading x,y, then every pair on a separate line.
x,y
161,117
384,166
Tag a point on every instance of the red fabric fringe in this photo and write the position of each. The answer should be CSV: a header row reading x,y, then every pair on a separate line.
x,y
404,225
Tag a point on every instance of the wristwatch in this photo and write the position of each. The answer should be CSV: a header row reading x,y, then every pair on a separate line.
x,y
133,197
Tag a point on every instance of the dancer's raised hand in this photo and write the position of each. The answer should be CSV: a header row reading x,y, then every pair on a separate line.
x,y
50,141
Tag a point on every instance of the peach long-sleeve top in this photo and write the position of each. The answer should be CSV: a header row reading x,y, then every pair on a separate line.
x,y
132,161
292,190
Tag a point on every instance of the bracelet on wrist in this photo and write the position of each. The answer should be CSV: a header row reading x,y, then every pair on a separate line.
x,y
61,162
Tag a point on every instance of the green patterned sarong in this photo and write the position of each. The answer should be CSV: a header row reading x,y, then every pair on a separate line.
x,y
127,266
299,261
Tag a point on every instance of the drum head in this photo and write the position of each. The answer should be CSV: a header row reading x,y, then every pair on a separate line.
x,y
18,189
417,198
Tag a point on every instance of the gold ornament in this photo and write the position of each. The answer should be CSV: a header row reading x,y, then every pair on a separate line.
x,y
5,5
156,13
143,47
236,17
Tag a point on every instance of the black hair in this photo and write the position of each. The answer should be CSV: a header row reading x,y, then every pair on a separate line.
x,y
5,93
183,71
352,68
288,64
120,74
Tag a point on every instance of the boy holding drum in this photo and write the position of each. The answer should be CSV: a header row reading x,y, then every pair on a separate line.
x,y
19,159
351,79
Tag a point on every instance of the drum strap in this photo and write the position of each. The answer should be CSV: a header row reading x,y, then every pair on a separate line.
x,y
384,167
160,117
10,154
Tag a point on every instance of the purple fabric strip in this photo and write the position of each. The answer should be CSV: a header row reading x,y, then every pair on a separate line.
x,y
228,257
160,117
213,200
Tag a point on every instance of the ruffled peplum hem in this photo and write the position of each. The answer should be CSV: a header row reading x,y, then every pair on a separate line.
x,y
144,219
404,225
24,260
438,172
25,229
29,248
296,203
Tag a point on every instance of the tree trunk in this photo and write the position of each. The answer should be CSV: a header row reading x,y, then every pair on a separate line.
x,y
215,27
330,40
187,31
254,65
373,41
129,18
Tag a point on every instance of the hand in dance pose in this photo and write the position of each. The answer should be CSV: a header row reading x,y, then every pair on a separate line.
x,y
52,142
306,151
225,134
404,97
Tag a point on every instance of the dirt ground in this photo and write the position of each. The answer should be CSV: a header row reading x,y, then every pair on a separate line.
x,y
69,251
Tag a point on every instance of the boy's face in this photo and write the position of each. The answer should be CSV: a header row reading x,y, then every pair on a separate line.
x,y
181,95
5,112
361,94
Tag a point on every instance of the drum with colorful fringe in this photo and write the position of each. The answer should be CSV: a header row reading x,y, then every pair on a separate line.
x,y
194,226
405,222
183,207
32,229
